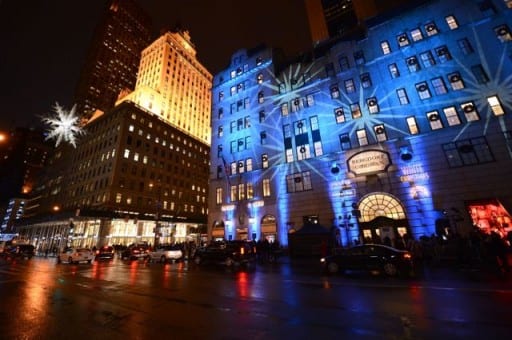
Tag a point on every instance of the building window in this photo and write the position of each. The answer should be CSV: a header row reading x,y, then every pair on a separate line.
x,y
434,120
288,154
356,110
350,87
300,127
261,97
468,152
465,46
416,34
264,161
451,115
380,133
126,153
452,22
259,78
402,96
263,138
296,104
303,152
335,92
266,187
310,100
386,49
366,81
402,40
480,74
220,131
456,81
423,90
344,64
339,115
495,105
393,71
221,95
284,109
362,137
345,143
329,70
241,191
427,59
439,86
234,168
503,33
412,64
443,54
262,116
431,29
373,105
250,191
219,151
359,58
218,195
298,182
233,195
470,111
412,125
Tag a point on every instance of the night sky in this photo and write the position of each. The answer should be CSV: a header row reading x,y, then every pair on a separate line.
x,y
44,42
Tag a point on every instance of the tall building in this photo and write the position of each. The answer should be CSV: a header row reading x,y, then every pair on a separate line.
x,y
407,131
113,57
174,85
345,18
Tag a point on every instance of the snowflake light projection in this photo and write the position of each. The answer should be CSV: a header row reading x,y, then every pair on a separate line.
x,y
63,125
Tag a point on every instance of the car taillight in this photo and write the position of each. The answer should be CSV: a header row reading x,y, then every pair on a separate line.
x,y
97,252
242,250
407,256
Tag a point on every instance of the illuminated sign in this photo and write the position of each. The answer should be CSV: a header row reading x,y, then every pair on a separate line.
x,y
368,162
413,173
256,204
228,207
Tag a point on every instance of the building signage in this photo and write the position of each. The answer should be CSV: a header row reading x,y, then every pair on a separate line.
x,y
368,162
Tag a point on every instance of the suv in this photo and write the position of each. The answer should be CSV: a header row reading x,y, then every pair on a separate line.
x,y
135,252
230,254
166,253
21,251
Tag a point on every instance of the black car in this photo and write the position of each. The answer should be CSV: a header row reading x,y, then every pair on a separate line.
x,y
21,251
369,257
104,253
229,253
136,252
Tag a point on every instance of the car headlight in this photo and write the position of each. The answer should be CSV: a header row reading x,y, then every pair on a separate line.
x,y
322,260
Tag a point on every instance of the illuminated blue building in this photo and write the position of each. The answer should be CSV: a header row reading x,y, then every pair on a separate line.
x,y
408,130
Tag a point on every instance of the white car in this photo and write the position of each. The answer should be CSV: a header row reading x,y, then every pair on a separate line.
x,y
166,253
76,255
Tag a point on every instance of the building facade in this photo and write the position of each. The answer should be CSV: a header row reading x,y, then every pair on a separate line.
x,y
132,178
113,57
406,131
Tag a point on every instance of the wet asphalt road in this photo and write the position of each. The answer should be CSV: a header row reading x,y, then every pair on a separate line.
x,y
292,299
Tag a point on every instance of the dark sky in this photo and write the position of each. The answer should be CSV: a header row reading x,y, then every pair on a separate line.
x,y
43,42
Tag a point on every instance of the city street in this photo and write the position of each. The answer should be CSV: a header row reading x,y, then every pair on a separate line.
x,y
41,299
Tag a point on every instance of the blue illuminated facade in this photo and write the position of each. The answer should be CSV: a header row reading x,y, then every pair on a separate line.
x,y
407,131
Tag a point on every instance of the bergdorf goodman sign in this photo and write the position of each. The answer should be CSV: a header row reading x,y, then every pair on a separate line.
x,y
368,162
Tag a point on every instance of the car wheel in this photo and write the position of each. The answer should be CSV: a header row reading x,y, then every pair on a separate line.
x,y
333,268
229,262
390,269
197,260
163,259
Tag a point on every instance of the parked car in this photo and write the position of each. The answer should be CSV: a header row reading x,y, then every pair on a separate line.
x,y
166,253
21,251
369,257
76,255
105,253
230,254
135,252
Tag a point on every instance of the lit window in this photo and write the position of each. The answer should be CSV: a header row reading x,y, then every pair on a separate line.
x,y
263,138
233,195
431,29
423,90
289,155
248,164
259,78
386,49
443,54
221,95
345,142
126,153
451,116
470,112
495,105
296,104
310,100
416,34
402,96
503,33
261,97
131,128
427,59
303,152
434,120
373,105
266,187
350,87
339,115
355,110
220,131
380,133
362,138
456,81
366,81
439,86
402,40
262,116
359,58
335,92
452,22
412,64
393,71
412,125
298,182
284,109
250,191
218,194
264,161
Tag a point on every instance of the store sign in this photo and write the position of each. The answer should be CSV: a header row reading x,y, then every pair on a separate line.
x,y
368,162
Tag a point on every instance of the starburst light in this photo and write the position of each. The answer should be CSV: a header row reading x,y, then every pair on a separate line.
x,y
63,125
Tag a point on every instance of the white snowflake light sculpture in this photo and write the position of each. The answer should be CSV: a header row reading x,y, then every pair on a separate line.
x,y
63,125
